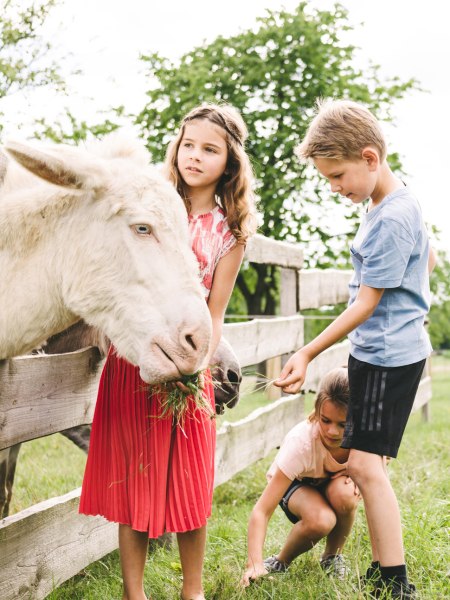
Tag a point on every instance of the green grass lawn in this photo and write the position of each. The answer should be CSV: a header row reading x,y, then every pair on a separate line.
x,y
420,477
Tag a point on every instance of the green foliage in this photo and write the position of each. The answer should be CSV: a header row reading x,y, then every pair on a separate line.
x,y
25,60
72,131
439,317
317,319
274,74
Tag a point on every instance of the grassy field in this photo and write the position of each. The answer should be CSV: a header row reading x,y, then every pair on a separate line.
x,y
420,476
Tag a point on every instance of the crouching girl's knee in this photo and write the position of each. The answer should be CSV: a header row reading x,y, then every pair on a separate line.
x,y
320,524
343,495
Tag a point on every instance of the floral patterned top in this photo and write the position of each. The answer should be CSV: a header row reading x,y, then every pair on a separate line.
x,y
211,239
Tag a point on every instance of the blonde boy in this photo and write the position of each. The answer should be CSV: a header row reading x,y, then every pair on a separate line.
x,y
384,320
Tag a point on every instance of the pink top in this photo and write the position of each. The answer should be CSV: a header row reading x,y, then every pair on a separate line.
x,y
302,454
211,239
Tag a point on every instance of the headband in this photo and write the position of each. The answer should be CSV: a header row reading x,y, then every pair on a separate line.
x,y
223,124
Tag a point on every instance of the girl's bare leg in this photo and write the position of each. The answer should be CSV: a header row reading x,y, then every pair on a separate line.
x,y
133,547
192,553
317,519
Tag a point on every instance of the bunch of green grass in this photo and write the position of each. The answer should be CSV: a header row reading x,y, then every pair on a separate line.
x,y
176,402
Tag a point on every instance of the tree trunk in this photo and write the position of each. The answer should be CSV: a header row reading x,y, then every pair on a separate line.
x,y
262,299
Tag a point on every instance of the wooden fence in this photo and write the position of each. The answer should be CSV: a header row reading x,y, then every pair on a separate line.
x,y
48,543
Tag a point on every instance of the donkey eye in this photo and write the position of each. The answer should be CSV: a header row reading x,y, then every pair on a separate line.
x,y
142,229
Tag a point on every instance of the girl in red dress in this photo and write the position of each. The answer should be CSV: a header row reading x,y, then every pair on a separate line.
x,y
145,471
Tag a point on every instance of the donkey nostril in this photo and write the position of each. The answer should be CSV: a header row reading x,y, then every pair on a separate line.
x,y
190,341
233,377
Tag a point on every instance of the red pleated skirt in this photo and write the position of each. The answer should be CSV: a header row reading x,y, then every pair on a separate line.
x,y
142,469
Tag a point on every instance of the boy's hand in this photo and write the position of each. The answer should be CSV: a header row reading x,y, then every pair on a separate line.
x,y
293,374
253,573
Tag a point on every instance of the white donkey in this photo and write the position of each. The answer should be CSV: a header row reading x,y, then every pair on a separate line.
x,y
104,238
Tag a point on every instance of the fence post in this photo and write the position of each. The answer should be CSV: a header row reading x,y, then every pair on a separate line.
x,y
288,306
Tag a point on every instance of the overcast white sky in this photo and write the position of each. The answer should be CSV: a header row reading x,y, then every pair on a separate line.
x,y
408,38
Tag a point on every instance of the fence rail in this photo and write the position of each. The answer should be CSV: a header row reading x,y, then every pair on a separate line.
x,y
48,543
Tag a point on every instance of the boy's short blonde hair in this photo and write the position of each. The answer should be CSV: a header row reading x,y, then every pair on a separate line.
x,y
340,130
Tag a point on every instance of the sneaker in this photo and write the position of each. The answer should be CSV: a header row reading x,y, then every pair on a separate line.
x,y
335,566
273,565
396,590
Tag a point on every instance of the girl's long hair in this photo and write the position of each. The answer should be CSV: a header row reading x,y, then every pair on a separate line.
x,y
234,189
333,387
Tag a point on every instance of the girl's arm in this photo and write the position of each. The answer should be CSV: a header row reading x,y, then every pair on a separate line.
x,y
257,526
294,372
224,279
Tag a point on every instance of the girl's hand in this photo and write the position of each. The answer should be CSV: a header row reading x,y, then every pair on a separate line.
x,y
182,386
293,374
253,573
348,481
201,381
171,385
356,491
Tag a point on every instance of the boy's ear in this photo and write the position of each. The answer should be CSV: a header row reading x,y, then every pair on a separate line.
x,y
371,157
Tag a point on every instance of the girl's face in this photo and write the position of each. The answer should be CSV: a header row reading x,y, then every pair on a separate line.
x,y
202,154
331,424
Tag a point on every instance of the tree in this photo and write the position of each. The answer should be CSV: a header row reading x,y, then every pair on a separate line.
x,y
25,57
70,130
274,74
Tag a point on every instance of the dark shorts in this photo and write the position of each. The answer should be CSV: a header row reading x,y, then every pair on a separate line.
x,y
381,399
319,484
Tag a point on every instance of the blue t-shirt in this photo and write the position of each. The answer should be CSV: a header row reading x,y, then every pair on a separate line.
x,y
390,251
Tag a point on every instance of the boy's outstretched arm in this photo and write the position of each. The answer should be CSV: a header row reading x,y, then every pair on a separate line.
x,y
294,372
432,259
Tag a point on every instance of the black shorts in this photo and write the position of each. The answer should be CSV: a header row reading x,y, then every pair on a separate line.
x,y
381,399
319,484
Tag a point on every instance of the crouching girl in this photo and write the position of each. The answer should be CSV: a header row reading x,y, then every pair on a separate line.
x,y
308,480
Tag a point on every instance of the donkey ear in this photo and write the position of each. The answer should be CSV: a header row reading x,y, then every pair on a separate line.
x,y
67,170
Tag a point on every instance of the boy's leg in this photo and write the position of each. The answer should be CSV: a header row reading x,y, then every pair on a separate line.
x,y
381,399
373,570
343,497
316,520
192,545
381,506
133,554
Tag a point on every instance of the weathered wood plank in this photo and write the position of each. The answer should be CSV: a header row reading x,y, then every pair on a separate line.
x,y
45,545
423,397
289,292
261,249
322,287
40,395
43,394
260,339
